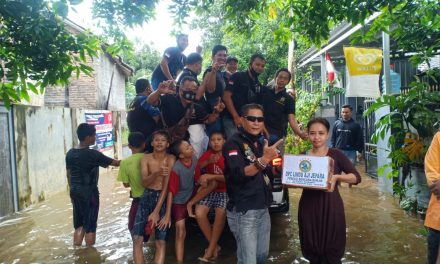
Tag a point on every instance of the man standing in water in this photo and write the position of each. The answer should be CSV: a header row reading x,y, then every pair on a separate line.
x,y
347,135
82,164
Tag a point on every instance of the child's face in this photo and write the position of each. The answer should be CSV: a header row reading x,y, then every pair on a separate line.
x,y
186,150
159,143
91,140
216,142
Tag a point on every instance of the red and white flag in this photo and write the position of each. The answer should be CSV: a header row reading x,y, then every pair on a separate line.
x,y
332,74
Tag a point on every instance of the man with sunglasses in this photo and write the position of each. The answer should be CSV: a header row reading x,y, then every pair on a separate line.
x,y
246,159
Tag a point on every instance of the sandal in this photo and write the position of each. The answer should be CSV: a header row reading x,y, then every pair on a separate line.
x,y
202,259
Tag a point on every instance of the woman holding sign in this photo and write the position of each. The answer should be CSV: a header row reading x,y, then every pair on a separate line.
x,y
321,216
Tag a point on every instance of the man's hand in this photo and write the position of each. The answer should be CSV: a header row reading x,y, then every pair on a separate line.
x,y
435,188
269,153
218,66
219,107
304,135
167,87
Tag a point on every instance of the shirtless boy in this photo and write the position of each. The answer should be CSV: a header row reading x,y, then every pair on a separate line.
x,y
155,170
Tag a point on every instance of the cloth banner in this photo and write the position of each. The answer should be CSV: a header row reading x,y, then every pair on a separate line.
x,y
363,69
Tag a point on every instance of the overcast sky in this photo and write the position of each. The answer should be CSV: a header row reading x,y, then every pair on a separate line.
x,y
156,32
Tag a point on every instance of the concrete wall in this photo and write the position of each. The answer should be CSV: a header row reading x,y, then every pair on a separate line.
x,y
105,67
43,135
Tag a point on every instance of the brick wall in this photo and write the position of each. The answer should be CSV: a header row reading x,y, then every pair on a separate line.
x,y
55,96
83,91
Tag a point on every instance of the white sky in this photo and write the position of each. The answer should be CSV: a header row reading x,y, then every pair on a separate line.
x,y
156,33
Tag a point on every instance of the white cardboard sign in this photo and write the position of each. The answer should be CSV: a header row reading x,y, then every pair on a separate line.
x,y
306,171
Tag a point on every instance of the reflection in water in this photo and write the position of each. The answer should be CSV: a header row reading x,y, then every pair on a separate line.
x,y
378,231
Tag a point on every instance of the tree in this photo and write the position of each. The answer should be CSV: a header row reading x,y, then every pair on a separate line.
x,y
259,39
414,24
143,63
36,50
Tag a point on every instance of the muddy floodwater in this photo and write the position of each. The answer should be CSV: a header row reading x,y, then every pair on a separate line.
x,y
378,231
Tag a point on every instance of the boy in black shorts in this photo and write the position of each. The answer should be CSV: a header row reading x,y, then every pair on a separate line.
x,y
82,164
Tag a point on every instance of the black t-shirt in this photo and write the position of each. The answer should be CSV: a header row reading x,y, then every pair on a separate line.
x,y
244,90
139,117
220,86
245,192
84,166
176,62
277,107
173,110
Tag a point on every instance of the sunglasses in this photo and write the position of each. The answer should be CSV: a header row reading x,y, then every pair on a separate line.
x,y
255,118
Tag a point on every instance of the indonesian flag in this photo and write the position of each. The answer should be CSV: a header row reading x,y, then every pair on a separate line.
x,y
332,74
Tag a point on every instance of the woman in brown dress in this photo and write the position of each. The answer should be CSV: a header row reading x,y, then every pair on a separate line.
x,y
321,216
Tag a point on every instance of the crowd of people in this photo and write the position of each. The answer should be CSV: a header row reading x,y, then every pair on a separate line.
x,y
206,145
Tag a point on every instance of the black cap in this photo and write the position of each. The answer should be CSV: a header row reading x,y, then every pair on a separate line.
x,y
231,58
193,58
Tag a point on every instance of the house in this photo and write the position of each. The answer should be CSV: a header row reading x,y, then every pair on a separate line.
x,y
36,135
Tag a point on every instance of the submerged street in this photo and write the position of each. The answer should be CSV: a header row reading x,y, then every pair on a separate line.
x,y
378,231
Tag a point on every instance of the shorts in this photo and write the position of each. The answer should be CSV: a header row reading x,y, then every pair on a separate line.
x,y
215,200
132,213
179,212
148,202
85,202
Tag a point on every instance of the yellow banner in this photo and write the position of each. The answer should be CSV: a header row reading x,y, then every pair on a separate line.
x,y
362,61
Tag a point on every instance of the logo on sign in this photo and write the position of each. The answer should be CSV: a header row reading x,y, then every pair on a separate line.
x,y
305,166
365,59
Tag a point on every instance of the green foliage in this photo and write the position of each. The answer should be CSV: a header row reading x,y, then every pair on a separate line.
x,y
411,113
36,50
143,63
242,44
306,106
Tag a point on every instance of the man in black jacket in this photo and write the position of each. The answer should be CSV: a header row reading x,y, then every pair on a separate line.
x,y
347,135
248,187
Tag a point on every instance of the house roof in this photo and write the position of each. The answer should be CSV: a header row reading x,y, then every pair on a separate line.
x,y
339,37
74,28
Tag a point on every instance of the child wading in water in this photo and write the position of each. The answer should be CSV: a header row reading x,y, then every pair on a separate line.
x,y
180,191
155,171
211,194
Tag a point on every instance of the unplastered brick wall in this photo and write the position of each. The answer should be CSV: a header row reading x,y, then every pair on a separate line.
x,y
55,96
83,90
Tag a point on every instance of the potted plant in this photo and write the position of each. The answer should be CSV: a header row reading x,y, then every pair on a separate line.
x,y
412,121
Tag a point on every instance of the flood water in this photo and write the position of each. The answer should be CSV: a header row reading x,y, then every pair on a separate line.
x,y
378,231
